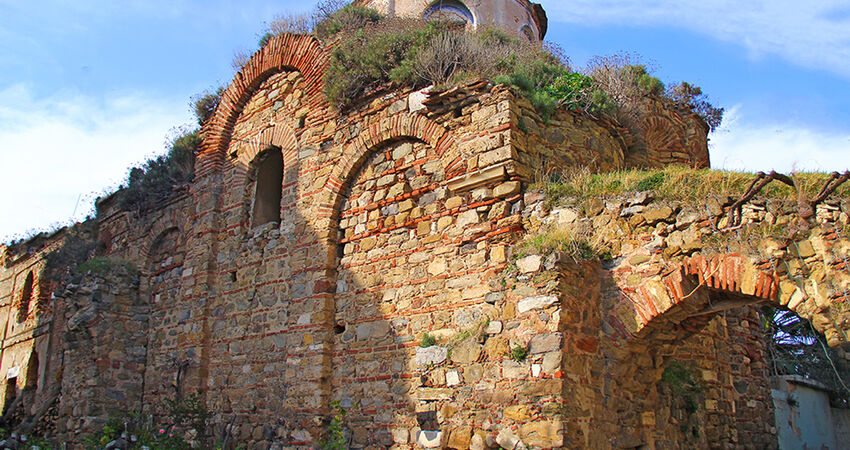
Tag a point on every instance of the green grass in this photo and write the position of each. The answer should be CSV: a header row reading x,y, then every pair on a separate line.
x,y
519,353
557,240
678,183
428,340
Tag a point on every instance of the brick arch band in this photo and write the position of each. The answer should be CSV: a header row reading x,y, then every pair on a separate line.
x,y
278,135
303,53
158,229
666,143
393,129
685,288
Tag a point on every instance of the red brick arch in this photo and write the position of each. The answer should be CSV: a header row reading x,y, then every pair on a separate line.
x,y
303,53
686,291
663,140
670,138
395,128
156,230
160,229
279,135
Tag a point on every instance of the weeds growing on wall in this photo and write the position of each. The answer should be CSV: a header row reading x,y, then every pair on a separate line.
x,y
427,340
519,353
153,182
416,53
183,427
687,387
337,438
372,52
79,245
558,240
675,183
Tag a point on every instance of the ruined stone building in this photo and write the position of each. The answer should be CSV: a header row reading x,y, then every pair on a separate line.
x,y
316,248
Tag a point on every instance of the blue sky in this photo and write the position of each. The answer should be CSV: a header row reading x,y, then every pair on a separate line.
x,y
91,87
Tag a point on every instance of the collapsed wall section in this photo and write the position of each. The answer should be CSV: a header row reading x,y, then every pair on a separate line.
x,y
104,350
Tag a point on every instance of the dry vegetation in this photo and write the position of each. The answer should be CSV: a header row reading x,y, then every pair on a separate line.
x,y
372,53
679,183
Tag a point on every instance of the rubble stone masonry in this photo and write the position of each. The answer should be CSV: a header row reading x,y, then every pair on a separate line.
x,y
368,257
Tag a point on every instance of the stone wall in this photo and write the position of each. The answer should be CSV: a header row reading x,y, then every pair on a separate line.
x,y
29,361
677,289
666,135
104,350
380,269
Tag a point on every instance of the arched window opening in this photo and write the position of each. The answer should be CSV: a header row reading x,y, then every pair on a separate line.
x,y
528,33
26,296
450,11
268,180
32,371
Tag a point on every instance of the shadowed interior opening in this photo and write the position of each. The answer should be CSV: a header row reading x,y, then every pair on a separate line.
x,y
269,184
26,295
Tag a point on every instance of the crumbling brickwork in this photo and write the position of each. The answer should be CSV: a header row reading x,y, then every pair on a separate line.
x,y
367,257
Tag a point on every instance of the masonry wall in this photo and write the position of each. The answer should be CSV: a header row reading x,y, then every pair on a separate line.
x,y
398,224
104,351
29,360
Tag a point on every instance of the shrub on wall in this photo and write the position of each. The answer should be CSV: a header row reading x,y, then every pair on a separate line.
x,y
690,97
375,56
153,182
346,18
373,52
416,53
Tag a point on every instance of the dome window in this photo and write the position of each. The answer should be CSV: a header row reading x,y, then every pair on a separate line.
x,y
450,11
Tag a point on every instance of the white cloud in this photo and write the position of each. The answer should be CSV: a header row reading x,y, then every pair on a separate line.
x,y
815,34
59,153
739,145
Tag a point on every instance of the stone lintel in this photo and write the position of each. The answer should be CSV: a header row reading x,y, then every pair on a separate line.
x,y
483,177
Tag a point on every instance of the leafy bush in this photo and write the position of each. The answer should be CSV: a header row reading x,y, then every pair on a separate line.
x,y
152,183
337,439
626,83
578,92
205,104
188,412
689,97
687,386
347,18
